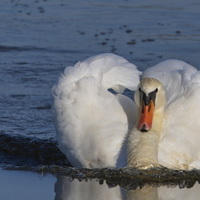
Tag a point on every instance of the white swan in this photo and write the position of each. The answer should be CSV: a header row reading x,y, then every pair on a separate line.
x,y
91,122
168,128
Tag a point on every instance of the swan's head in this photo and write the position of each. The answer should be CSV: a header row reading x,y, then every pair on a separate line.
x,y
150,97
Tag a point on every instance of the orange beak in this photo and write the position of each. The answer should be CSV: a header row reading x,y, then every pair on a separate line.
x,y
146,116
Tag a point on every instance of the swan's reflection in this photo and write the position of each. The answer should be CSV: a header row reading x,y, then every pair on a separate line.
x,y
145,193
169,193
85,190
92,189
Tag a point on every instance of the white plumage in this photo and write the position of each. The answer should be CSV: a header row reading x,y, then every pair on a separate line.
x,y
178,144
91,122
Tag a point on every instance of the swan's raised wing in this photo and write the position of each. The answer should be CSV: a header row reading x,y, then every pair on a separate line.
x,y
179,145
91,122
110,70
181,138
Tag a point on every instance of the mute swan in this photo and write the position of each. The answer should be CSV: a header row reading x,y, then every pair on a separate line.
x,y
91,122
167,132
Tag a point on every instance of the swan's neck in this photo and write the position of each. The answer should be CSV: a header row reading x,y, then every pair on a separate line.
x,y
143,146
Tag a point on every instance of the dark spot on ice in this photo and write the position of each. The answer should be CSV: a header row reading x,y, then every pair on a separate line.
x,y
129,31
148,40
132,42
178,32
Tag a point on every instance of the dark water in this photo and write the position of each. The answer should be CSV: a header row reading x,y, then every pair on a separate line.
x,y
39,38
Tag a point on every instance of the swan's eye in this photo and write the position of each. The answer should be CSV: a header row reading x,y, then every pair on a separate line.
x,y
156,90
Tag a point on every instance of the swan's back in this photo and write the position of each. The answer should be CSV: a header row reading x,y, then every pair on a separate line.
x,y
91,122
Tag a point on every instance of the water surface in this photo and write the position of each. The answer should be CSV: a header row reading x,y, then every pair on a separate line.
x,y
39,38
20,186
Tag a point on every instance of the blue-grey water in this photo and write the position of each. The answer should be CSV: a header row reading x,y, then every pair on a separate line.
x,y
39,38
